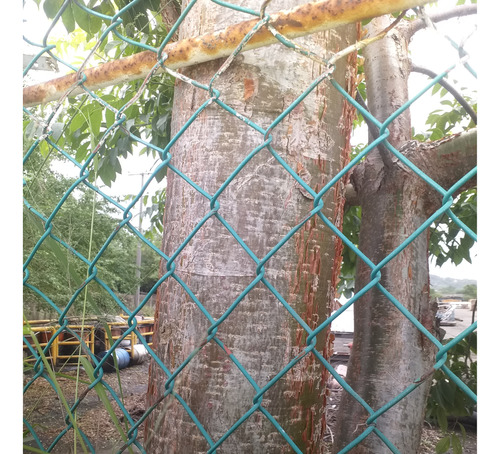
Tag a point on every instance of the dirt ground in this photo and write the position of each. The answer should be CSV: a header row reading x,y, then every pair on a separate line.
x,y
44,411
430,435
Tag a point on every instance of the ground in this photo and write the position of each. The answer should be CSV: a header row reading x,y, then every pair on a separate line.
x,y
430,435
44,411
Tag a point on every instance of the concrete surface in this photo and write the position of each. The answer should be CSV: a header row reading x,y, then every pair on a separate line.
x,y
463,319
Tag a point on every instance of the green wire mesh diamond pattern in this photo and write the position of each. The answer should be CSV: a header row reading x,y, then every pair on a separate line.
x,y
118,113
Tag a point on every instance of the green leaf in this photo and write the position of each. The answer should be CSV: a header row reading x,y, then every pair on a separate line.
x,y
436,88
44,148
111,45
462,430
86,21
456,444
442,419
30,130
78,122
161,174
443,445
52,7
81,17
110,117
448,390
107,174
27,330
57,130
68,19
81,153
95,122
436,134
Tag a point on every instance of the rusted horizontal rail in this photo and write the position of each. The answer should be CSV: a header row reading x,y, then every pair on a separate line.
x,y
300,21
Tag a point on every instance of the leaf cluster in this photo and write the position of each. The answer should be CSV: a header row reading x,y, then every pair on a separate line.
x,y
84,123
447,120
87,14
351,227
446,400
447,241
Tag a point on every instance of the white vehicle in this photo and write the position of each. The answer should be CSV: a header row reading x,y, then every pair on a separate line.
x,y
446,314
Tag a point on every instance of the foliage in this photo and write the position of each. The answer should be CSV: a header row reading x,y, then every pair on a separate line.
x,y
470,291
80,126
84,223
449,119
351,226
135,17
447,242
446,400
87,120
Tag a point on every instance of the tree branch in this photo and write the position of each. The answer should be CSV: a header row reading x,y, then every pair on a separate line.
x,y
447,160
450,88
458,11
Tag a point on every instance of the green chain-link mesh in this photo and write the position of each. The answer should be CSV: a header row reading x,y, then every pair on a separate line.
x,y
64,326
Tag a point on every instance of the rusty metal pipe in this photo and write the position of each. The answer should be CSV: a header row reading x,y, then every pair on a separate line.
x,y
303,20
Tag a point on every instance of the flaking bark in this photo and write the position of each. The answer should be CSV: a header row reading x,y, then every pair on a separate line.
x,y
262,204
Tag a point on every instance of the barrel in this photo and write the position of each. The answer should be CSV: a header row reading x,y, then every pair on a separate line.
x,y
138,355
122,358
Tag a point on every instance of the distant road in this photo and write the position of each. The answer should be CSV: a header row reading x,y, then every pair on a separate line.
x,y
463,317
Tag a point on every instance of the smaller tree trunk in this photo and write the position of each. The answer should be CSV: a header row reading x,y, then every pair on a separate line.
x,y
389,353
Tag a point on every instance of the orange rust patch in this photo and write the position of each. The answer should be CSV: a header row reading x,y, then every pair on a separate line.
x,y
249,85
302,20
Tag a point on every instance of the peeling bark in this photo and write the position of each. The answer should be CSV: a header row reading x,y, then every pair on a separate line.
x,y
262,204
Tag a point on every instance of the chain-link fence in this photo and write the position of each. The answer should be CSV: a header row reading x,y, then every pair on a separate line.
x,y
102,120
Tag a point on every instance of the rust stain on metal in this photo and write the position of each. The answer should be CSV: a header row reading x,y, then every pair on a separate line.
x,y
300,21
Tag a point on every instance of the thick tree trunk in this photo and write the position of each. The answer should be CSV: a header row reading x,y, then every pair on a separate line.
x,y
262,204
389,353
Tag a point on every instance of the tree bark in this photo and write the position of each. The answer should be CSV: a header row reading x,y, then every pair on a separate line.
x,y
262,204
389,353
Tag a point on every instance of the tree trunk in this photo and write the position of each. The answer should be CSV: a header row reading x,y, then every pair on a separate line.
x,y
262,204
389,353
